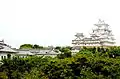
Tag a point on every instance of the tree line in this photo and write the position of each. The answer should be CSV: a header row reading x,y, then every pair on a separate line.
x,y
88,63
30,46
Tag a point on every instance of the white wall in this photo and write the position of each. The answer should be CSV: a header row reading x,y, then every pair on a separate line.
x,y
4,55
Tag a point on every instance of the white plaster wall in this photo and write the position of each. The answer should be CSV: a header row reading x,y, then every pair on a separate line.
x,y
3,54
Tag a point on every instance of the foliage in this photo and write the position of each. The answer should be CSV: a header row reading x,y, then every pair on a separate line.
x,y
30,46
89,63
37,47
66,52
3,75
26,46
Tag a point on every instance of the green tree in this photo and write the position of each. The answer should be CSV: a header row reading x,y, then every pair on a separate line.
x,y
36,46
58,47
26,46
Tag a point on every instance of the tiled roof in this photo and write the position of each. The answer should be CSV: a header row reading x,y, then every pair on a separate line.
x,y
5,48
47,51
37,52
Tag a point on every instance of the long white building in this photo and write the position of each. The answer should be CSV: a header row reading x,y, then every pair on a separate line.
x,y
6,50
101,36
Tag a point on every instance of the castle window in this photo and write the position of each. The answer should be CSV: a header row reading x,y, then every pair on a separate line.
x,y
1,57
4,57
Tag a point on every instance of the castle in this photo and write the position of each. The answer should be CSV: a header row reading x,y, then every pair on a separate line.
x,y
101,35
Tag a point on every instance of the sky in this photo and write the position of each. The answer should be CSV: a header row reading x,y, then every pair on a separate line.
x,y
54,22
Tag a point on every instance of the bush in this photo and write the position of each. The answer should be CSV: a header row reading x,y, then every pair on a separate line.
x,y
90,63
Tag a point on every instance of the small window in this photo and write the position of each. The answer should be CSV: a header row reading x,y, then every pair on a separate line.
x,y
1,57
4,57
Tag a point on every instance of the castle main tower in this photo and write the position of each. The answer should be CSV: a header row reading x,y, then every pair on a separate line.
x,y
101,36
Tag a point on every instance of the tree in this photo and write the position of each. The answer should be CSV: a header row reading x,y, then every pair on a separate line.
x,y
58,47
30,46
26,46
65,53
36,46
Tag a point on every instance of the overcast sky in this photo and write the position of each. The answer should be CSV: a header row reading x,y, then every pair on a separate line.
x,y
54,22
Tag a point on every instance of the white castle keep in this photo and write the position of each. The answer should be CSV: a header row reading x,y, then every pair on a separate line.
x,y
101,36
